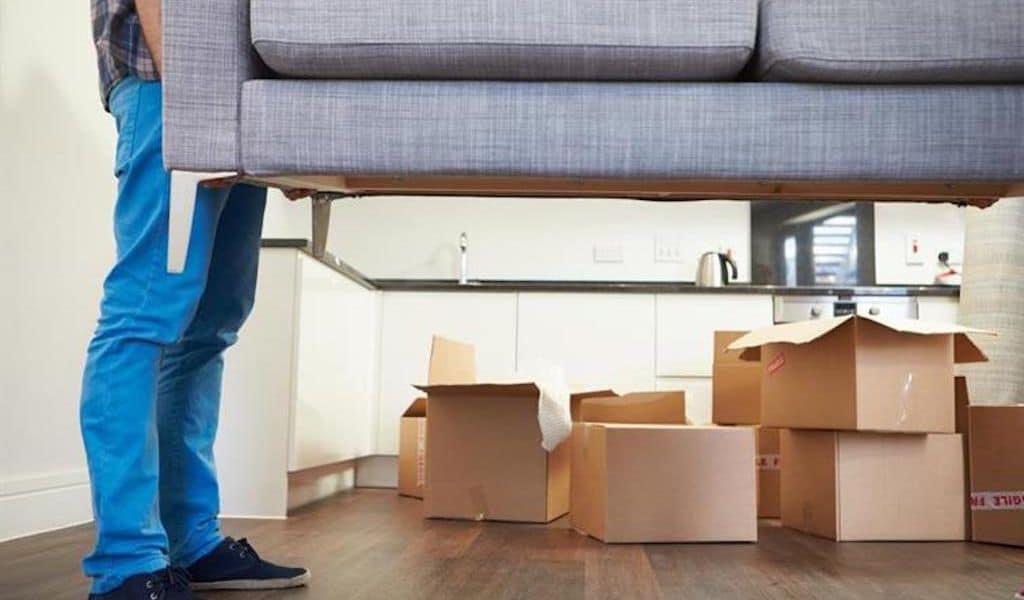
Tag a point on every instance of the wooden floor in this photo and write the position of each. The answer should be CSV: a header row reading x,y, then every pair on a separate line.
x,y
373,545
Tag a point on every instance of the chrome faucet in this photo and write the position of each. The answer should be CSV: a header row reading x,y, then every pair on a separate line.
x,y
464,259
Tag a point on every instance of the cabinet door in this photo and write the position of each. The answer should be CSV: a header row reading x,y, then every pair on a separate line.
x,y
940,309
599,340
698,396
253,436
335,382
687,325
887,307
408,322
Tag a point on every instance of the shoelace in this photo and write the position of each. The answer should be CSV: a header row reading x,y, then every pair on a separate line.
x,y
171,578
245,548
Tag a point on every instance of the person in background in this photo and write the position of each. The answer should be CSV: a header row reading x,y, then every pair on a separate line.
x,y
152,381
946,274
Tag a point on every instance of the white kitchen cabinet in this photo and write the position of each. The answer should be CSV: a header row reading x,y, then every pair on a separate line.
x,y
599,340
943,309
335,368
408,322
698,396
299,387
686,324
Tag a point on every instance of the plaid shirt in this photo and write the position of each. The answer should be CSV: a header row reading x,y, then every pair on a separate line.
x,y
120,48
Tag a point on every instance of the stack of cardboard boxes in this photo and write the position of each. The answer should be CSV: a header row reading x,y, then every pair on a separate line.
x,y
869,447
844,428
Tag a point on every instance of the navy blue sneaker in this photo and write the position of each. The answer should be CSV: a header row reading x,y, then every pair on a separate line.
x,y
234,565
168,584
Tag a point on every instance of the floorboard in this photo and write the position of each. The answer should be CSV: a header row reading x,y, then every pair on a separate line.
x,y
371,544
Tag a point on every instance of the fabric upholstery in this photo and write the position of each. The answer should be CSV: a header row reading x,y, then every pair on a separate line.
x,y
992,297
207,55
719,130
526,39
892,41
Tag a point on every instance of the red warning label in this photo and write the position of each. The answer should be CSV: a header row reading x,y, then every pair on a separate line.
x,y
777,363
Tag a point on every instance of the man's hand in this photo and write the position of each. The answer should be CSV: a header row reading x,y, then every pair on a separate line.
x,y
151,18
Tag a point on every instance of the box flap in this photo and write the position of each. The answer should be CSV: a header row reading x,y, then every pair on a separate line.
x,y
639,407
577,398
722,354
484,389
802,332
805,332
418,408
451,362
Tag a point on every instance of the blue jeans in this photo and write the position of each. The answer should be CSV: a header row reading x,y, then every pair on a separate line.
x,y
151,389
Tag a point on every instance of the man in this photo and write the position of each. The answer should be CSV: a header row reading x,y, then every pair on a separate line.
x,y
151,389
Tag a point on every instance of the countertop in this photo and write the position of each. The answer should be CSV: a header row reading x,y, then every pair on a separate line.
x,y
638,287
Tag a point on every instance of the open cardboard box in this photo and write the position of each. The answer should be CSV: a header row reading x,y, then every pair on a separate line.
x,y
859,373
735,384
450,361
485,459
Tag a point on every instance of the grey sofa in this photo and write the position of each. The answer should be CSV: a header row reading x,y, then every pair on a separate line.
x,y
868,99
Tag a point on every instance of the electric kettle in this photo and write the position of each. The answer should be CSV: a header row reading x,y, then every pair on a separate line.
x,y
713,270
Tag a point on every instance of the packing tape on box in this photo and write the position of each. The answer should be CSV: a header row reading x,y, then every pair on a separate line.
x,y
908,386
421,452
997,500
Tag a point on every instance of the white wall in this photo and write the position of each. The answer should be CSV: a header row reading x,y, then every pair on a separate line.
x,y
531,238
538,239
940,227
56,196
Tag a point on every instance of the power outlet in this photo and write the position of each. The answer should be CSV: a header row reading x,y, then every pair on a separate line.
x,y
668,250
608,253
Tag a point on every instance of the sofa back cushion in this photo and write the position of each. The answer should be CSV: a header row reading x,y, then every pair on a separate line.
x,y
633,40
892,41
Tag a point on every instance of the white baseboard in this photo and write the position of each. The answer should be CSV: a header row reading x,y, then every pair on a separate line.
x,y
42,503
377,472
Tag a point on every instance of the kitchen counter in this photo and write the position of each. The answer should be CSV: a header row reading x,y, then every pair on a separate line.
x,y
638,287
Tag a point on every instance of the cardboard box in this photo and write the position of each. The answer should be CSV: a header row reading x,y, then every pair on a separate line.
x,y
484,459
735,384
412,450
450,361
859,373
997,474
769,494
962,406
650,408
854,486
664,483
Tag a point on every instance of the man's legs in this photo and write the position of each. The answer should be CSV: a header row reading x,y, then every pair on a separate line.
x,y
188,399
144,310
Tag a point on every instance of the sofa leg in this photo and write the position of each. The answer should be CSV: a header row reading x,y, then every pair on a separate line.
x,y
182,210
322,220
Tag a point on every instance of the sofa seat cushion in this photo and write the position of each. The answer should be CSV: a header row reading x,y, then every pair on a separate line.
x,y
772,131
523,39
892,41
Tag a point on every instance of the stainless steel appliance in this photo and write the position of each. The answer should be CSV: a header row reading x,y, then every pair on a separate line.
x,y
713,270
789,309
